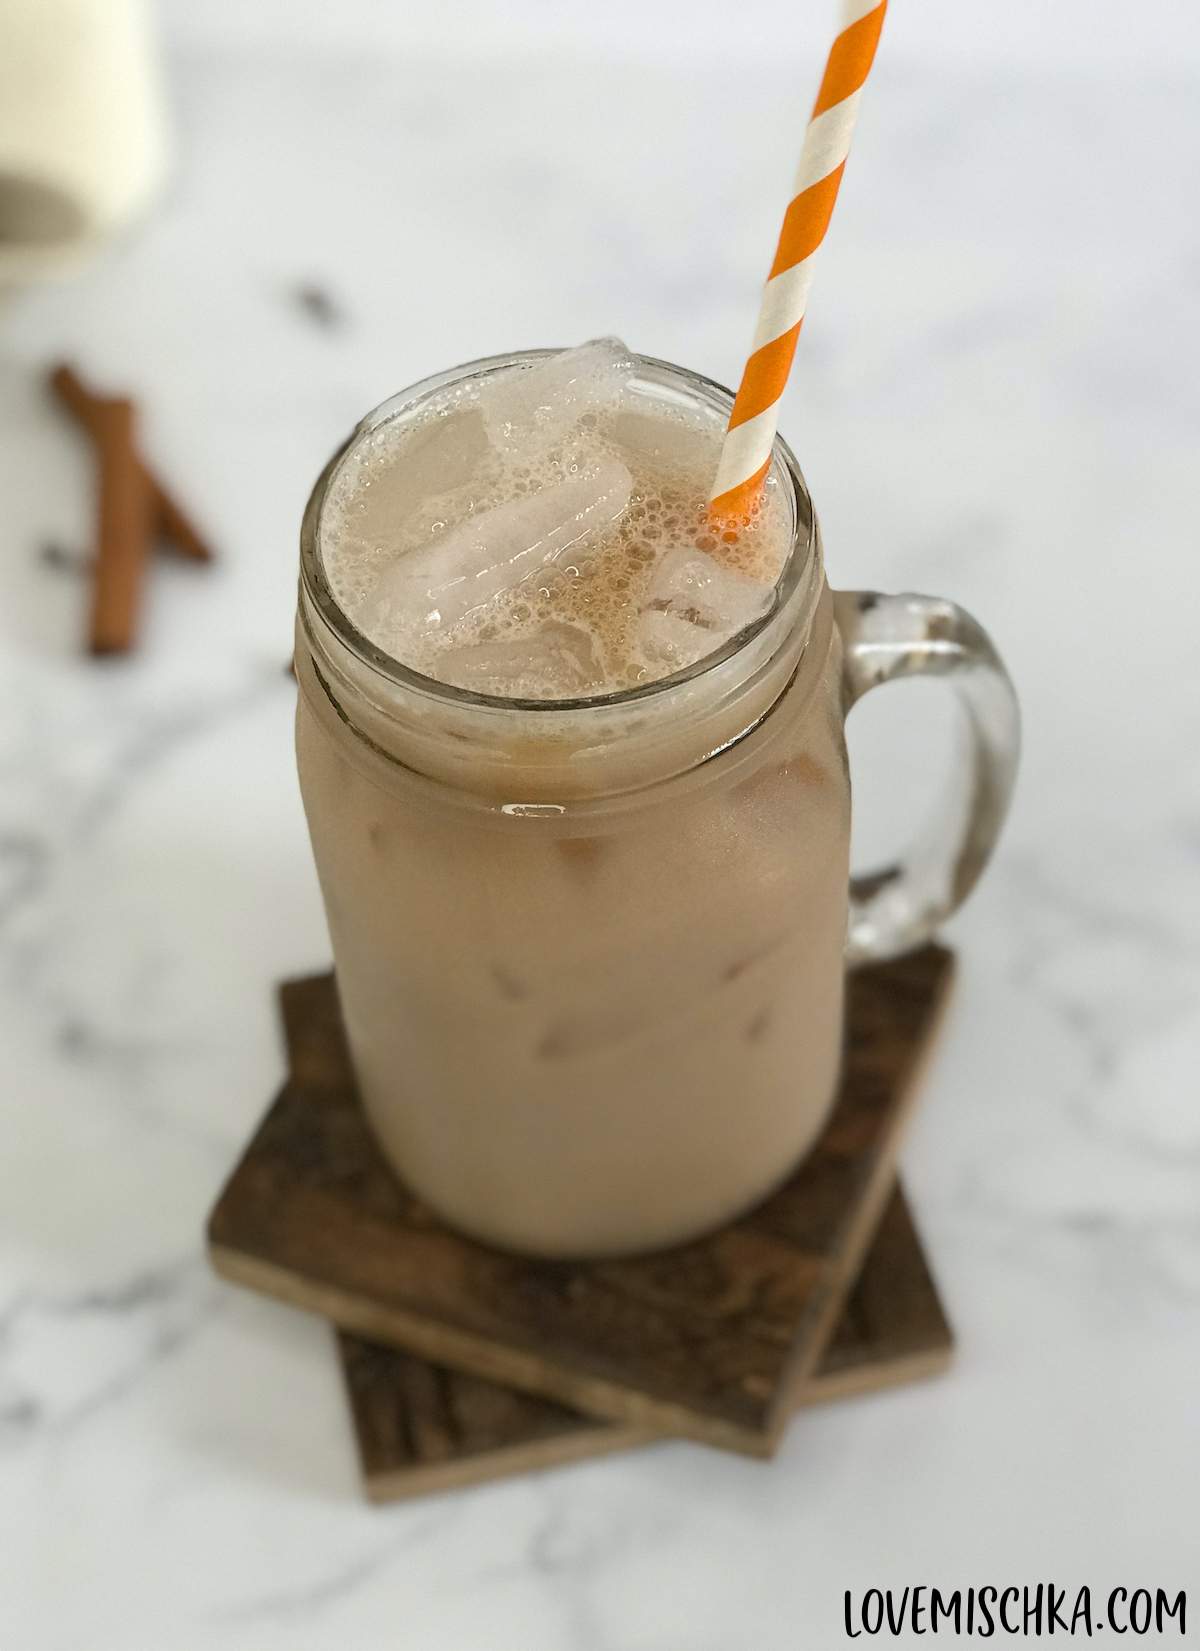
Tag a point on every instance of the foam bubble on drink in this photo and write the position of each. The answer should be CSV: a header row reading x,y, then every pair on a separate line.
x,y
544,518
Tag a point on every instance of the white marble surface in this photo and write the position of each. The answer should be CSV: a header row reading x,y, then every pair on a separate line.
x,y
996,400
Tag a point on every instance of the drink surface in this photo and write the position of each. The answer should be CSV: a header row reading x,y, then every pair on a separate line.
x,y
538,534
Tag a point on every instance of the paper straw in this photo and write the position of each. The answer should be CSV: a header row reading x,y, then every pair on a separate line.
x,y
746,452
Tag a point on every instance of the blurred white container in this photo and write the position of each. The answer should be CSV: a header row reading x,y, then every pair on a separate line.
x,y
82,128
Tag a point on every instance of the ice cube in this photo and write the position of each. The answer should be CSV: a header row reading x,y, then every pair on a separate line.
x,y
495,550
536,407
442,456
694,605
667,640
669,446
556,662
391,492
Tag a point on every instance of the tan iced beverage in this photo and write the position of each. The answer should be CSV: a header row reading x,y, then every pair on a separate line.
x,y
574,771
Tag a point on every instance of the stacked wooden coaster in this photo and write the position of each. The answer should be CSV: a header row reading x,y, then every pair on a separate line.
x,y
463,1363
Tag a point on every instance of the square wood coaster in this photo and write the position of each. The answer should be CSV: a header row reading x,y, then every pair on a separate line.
x,y
712,1340
421,1427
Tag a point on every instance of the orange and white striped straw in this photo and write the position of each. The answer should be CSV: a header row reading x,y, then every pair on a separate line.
x,y
754,418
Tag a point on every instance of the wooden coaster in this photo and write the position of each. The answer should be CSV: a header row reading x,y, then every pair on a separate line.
x,y
712,1340
421,1427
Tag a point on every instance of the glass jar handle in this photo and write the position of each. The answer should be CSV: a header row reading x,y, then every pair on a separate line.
x,y
888,637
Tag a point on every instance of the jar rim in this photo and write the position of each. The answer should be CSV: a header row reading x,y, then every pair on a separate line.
x,y
795,577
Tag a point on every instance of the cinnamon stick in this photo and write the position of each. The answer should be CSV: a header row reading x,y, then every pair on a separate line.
x,y
168,517
123,528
